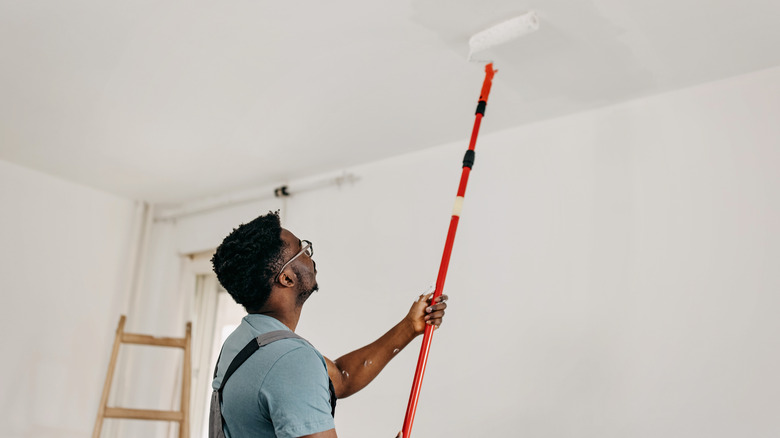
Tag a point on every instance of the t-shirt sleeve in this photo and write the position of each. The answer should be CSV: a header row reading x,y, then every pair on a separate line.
x,y
296,395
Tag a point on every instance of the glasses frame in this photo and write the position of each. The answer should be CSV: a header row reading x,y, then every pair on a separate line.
x,y
308,249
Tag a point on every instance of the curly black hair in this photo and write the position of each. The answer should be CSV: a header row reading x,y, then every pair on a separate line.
x,y
247,261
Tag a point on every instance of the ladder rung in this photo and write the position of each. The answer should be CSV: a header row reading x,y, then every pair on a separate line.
x,y
132,338
143,414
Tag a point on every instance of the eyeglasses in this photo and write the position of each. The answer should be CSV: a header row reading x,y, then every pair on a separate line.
x,y
307,249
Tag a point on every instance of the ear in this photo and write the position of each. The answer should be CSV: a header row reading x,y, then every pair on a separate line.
x,y
285,279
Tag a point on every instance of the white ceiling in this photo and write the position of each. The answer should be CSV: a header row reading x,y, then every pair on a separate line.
x,y
169,101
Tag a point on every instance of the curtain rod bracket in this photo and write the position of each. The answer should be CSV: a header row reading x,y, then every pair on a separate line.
x,y
281,192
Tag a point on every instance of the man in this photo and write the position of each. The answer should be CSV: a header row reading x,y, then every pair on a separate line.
x,y
287,388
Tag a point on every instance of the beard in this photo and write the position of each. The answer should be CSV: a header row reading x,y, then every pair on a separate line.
x,y
304,295
306,288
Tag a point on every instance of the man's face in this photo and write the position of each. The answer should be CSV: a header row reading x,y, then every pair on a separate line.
x,y
303,266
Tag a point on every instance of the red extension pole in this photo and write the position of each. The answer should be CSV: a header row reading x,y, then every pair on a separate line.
x,y
468,162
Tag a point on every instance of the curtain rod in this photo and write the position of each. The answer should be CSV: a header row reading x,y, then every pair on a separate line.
x,y
226,201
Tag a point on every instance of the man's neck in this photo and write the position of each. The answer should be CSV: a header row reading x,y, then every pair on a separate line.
x,y
288,317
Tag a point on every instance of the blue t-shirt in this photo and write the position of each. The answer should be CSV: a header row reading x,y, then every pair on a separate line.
x,y
280,391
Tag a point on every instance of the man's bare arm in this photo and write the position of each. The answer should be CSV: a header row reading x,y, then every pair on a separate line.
x,y
331,433
353,371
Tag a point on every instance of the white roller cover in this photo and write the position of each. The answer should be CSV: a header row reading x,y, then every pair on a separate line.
x,y
503,32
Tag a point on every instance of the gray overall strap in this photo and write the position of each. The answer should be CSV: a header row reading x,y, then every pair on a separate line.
x,y
215,412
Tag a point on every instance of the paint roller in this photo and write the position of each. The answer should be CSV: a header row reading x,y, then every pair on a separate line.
x,y
502,32
491,37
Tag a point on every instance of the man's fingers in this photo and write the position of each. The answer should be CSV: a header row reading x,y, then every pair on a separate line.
x,y
435,322
435,307
435,318
441,299
434,313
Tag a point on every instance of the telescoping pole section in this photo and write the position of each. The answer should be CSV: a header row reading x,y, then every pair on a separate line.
x,y
468,162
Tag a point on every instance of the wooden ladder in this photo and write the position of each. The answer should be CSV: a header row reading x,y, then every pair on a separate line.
x,y
181,416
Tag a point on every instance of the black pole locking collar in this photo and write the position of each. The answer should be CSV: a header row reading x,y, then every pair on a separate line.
x,y
481,107
468,159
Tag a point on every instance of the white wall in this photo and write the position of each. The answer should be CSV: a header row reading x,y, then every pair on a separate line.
x,y
615,272
65,267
